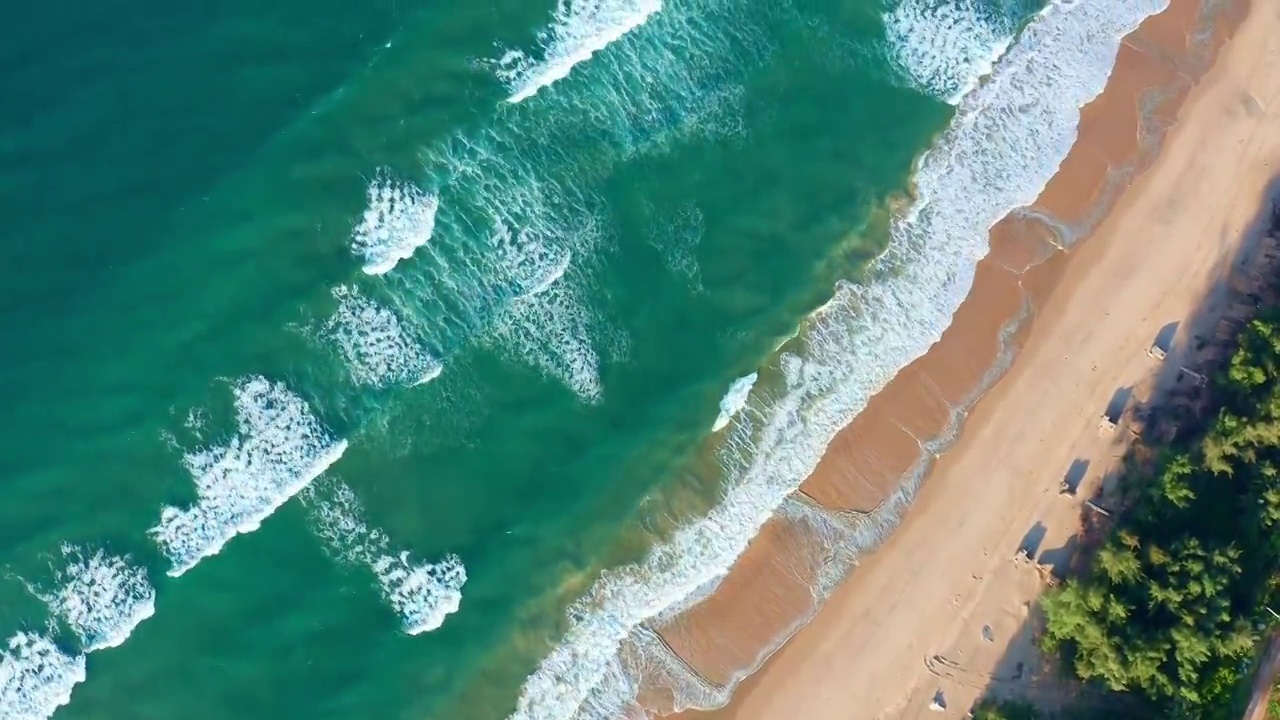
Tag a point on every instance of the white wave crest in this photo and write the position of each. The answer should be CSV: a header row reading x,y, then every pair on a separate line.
x,y
548,277
377,349
580,29
36,678
734,400
278,449
399,219
101,597
1008,138
945,47
423,594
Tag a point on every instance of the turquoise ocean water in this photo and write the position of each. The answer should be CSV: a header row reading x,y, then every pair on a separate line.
x,y
413,359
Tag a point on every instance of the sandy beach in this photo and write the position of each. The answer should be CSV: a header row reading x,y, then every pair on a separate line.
x,y
1172,167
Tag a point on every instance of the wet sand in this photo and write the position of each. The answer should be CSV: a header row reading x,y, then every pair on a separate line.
x,y
1171,165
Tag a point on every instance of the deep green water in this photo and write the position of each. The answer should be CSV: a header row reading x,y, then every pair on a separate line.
x,y
178,192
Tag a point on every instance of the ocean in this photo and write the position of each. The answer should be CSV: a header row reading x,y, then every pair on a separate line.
x,y
422,360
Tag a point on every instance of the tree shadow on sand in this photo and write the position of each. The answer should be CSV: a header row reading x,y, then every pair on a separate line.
x,y
1190,351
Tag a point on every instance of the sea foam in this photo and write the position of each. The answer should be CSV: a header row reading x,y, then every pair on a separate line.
x,y
524,245
279,447
944,47
423,594
551,331
376,347
99,596
579,29
734,400
398,220
1008,138
36,677
522,224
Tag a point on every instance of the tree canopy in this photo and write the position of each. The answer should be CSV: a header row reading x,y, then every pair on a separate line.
x,y
1172,606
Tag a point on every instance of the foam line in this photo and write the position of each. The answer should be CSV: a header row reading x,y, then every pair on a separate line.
x,y
945,47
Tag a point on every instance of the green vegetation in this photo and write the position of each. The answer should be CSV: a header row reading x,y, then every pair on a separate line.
x,y
1174,603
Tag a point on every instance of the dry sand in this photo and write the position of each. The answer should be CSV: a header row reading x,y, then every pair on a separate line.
x,y
942,606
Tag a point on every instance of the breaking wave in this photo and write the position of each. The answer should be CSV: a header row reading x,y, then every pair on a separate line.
x,y
377,349
99,596
579,29
399,219
279,447
734,400
423,594
945,47
1008,138
36,677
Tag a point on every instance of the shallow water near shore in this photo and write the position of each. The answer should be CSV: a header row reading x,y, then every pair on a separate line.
x,y
407,361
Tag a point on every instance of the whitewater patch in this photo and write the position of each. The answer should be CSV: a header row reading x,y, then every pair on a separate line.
x,y
101,597
278,448
551,331
377,348
398,220
552,274
36,677
423,594
1008,139
521,222
945,47
734,400
579,29
521,244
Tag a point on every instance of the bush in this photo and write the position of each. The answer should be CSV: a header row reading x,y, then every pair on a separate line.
x,y
1006,710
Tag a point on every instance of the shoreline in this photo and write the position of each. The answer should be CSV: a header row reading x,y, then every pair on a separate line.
x,y
1123,138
